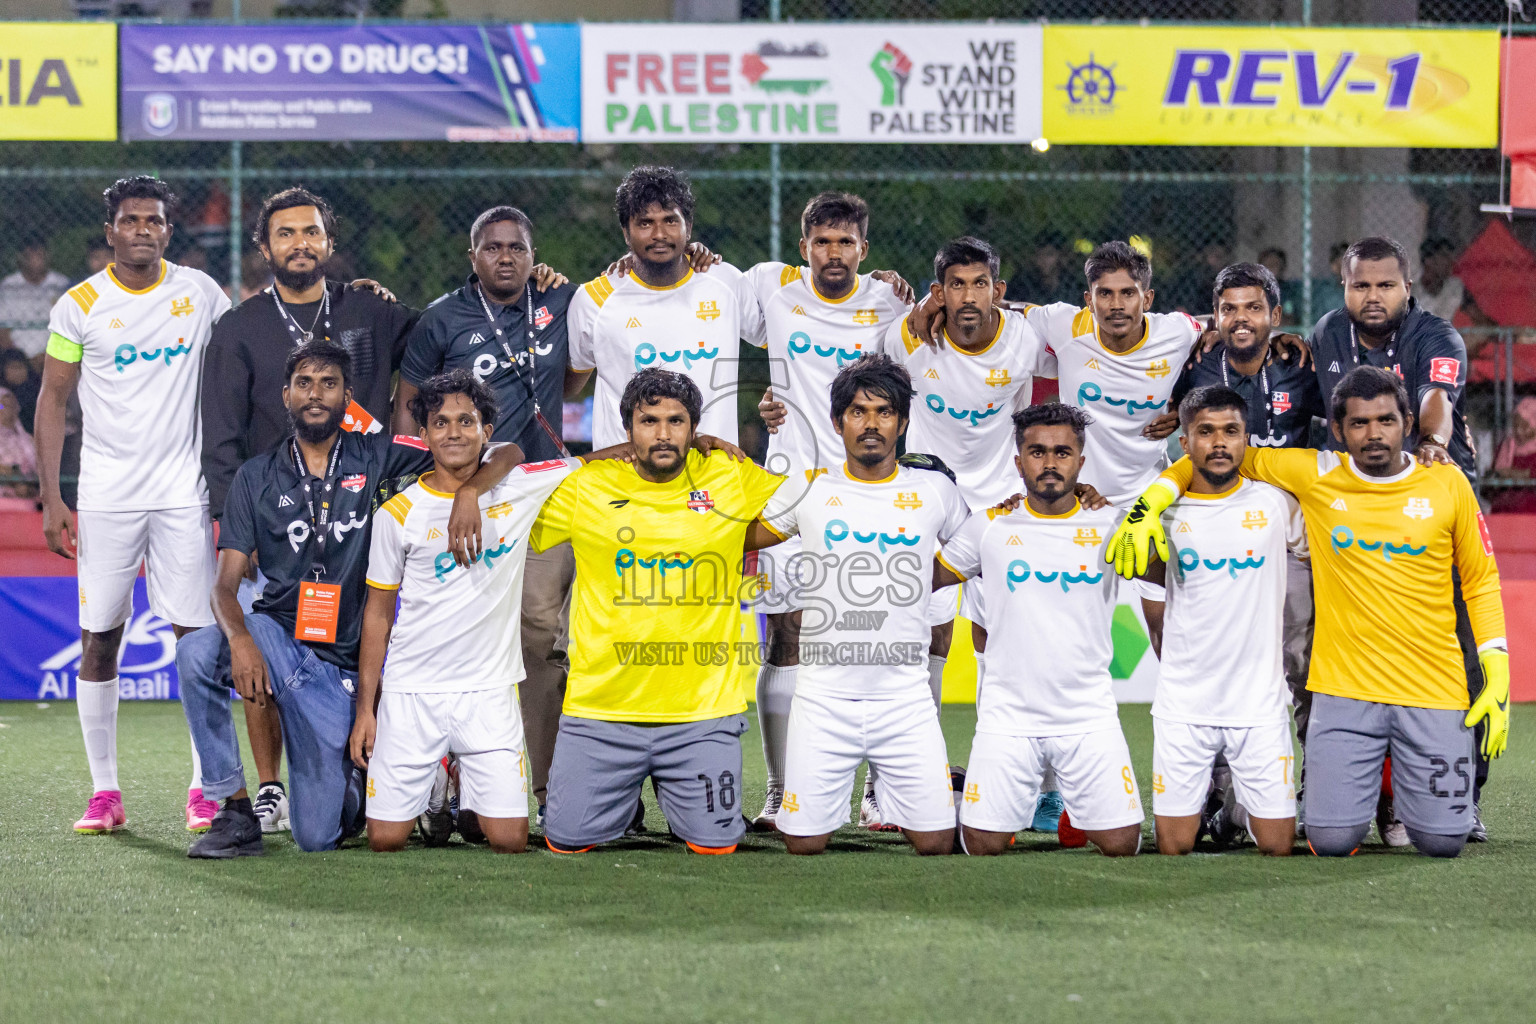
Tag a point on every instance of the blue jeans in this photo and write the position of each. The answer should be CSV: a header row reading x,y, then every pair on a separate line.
x,y
316,704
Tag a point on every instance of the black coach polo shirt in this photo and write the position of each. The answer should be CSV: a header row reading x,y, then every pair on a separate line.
x,y
454,333
1282,397
267,513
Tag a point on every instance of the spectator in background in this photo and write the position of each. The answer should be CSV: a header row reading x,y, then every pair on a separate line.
x,y
97,255
255,275
1328,291
1192,287
1050,275
1516,460
18,455
1439,290
23,381
1275,261
27,298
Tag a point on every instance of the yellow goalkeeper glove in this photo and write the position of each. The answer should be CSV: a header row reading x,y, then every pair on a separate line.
x,y
1492,703
1128,547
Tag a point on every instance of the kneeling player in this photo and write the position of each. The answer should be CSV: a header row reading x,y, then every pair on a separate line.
x,y
1222,690
868,530
1046,701
455,655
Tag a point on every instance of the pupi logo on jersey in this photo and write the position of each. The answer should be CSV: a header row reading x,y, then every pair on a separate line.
x,y
181,307
866,317
1158,368
907,500
998,378
1087,537
1254,519
699,501
708,311
1418,508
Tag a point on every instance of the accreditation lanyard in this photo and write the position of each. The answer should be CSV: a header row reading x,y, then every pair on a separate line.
x,y
533,367
1354,345
323,314
1269,402
319,519
319,604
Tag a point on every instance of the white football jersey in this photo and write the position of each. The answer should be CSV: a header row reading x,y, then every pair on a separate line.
x,y
809,339
865,572
141,368
1221,662
458,629
1122,391
619,326
965,401
1050,602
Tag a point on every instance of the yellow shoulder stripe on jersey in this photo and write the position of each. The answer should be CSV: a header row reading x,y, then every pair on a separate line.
x,y
63,349
788,276
911,342
1027,307
939,555
398,506
84,295
599,289
376,585
1082,323
771,529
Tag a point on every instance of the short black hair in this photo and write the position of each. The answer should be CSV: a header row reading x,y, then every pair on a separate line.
x,y
653,384
832,208
495,215
1368,382
964,252
647,186
1377,247
1212,396
288,199
433,391
140,186
322,352
1246,275
1117,255
1052,414
876,374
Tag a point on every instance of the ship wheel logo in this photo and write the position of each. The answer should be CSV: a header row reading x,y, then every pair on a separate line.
x,y
1091,85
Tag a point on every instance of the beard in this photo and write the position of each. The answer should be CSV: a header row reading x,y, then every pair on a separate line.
x,y
1388,327
313,433
1245,354
297,280
1220,481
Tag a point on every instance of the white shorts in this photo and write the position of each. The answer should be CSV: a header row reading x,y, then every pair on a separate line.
x,y
483,727
901,739
942,604
973,607
1093,772
1262,758
175,545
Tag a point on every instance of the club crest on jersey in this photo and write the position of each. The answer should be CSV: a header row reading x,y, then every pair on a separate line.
x,y
181,307
1254,519
866,317
708,310
1418,508
907,500
1281,400
355,482
499,510
1158,368
998,378
542,317
699,501
1087,537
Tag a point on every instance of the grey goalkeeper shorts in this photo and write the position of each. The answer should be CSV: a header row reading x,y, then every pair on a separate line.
x,y
599,768
1432,765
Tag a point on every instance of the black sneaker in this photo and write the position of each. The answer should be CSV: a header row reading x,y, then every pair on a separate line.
x,y
1479,832
637,823
468,824
235,833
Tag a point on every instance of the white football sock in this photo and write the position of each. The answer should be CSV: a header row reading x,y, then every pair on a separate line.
x,y
197,770
775,694
981,674
936,680
96,703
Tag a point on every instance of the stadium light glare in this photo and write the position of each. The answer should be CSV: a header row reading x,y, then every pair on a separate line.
x,y
1041,144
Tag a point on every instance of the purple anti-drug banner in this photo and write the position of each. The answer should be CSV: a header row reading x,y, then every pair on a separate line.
x,y
468,83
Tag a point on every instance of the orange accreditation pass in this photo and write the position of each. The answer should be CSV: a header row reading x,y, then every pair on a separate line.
x,y
319,608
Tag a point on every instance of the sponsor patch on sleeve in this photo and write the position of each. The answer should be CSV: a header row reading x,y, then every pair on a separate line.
x,y
411,442
1482,527
1444,370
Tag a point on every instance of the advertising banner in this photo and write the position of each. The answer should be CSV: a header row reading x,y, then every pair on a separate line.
x,y
811,82
59,81
40,658
1191,86
469,83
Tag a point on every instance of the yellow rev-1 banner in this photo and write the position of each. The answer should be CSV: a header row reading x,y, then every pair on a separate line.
x,y
58,81
1177,86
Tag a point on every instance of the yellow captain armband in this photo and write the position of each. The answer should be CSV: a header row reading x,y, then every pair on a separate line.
x,y
63,349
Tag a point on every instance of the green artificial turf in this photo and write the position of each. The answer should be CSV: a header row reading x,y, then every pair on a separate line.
x,y
124,927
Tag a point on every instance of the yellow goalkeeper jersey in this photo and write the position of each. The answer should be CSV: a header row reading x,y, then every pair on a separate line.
x,y
1382,553
655,621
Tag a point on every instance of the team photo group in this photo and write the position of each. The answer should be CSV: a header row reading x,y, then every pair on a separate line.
x,y
364,520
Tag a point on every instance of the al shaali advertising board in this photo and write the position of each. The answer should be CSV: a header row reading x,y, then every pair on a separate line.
x,y
811,82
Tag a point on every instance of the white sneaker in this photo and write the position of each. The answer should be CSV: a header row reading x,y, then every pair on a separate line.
x,y
869,813
1396,834
767,820
271,807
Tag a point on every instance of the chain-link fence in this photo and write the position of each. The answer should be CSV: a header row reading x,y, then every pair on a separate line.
x,y
405,208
